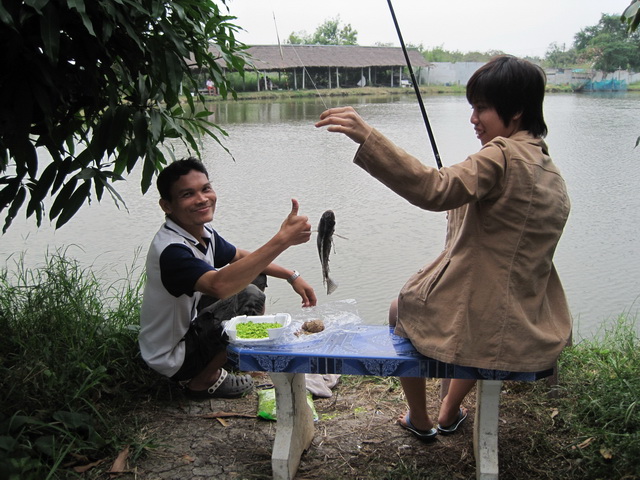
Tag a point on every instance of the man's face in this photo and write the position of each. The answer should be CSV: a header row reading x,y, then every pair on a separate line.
x,y
193,201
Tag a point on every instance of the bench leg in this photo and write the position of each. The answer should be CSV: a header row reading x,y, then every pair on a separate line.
x,y
294,429
485,429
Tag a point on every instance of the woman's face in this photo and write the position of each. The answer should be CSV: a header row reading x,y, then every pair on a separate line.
x,y
488,124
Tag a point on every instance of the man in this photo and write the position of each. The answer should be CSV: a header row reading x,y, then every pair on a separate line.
x,y
178,337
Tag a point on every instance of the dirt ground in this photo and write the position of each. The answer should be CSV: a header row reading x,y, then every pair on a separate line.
x,y
356,437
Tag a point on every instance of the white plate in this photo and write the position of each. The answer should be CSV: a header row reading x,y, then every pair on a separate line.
x,y
283,319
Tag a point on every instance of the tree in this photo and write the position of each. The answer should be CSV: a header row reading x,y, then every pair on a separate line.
x,y
608,45
557,56
97,86
329,33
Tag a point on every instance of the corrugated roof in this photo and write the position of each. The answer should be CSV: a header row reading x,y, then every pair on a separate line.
x,y
275,57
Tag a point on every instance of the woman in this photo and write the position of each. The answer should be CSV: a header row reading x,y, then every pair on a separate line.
x,y
492,299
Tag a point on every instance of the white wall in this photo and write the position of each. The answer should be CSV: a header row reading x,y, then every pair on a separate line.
x,y
447,73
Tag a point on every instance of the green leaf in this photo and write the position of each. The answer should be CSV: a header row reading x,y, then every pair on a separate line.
x,y
37,5
98,186
140,131
18,200
50,32
115,196
62,198
63,170
79,6
74,203
148,170
42,186
8,193
5,17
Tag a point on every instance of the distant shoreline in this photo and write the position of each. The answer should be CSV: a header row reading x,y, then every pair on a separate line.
x,y
377,91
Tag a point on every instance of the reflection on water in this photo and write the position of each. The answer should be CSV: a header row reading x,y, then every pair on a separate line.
x,y
278,154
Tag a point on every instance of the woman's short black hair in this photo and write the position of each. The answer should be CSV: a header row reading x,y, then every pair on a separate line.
x,y
511,85
172,172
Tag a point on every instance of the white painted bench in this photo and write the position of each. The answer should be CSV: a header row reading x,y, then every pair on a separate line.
x,y
363,350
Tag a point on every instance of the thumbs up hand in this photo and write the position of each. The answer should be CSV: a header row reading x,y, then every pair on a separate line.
x,y
296,229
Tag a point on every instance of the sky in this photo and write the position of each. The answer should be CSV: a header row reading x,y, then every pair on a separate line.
x,y
512,26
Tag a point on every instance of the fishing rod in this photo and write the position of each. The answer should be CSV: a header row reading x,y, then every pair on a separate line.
x,y
416,88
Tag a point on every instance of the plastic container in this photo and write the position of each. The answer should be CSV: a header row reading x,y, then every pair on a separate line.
x,y
283,319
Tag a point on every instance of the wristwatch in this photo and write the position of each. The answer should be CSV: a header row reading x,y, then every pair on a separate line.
x,y
292,278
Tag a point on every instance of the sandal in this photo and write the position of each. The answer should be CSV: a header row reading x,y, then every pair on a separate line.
x,y
228,385
453,428
424,435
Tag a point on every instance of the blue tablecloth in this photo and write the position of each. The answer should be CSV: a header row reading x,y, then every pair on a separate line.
x,y
358,350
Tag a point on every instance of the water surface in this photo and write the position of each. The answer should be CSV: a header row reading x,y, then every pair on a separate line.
x,y
278,154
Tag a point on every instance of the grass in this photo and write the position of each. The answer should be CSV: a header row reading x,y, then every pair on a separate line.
x,y
69,366
70,373
601,382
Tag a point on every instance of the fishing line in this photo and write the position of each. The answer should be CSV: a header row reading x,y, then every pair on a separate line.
x,y
416,88
304,69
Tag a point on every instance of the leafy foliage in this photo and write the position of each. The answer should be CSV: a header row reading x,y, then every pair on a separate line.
x,y
631,16
89,89
557,56
608,46
439,54
602,387
69,367
329,33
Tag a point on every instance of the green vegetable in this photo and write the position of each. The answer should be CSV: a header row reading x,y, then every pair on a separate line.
x,y
252,329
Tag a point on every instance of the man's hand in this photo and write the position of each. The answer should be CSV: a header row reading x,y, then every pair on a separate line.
x,y
295,229
345,120
305,291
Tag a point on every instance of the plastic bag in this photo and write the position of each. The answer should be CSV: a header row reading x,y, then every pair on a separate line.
x,y
267,404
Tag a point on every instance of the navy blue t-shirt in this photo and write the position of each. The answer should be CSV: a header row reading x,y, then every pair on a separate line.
x,y
180,269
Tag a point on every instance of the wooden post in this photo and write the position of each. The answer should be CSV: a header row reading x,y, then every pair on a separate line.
x,y
294,430
485,429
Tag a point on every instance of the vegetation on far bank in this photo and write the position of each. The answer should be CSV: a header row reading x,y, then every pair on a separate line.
x,y
72,380
425,90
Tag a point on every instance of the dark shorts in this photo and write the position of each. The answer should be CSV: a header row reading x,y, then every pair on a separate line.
x,y
205,338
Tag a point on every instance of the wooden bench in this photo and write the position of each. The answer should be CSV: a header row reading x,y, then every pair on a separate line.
x,y
363,350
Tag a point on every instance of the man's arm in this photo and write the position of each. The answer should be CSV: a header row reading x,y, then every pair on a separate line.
x,y
300,286
246,266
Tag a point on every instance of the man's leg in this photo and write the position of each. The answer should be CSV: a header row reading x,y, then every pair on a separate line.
x,y
250,301
210,374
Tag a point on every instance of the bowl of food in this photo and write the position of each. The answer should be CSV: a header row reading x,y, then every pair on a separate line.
x,y
257,328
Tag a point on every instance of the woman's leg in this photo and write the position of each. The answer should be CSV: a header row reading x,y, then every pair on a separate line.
x,y
458,390
414,389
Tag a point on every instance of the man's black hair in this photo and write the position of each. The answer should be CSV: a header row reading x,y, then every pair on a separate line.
x,y
511,85
172,172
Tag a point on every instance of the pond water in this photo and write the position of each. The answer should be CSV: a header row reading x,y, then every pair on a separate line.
x,y
278,154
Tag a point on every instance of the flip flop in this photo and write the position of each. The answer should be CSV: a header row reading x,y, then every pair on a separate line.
x,y
426,436
453,428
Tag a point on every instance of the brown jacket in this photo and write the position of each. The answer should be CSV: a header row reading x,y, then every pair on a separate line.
x,y
492,299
